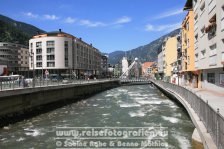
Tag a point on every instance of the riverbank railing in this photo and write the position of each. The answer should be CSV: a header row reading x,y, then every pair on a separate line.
x,y
212,119
15,84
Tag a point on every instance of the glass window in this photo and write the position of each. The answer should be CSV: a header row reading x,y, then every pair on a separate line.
x,y
38,44
39,64
50,43
50,50
38,51
50,64
50,57
203,52
211,78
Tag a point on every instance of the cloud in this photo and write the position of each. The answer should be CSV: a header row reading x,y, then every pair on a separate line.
x,y
89,23
70,20
123,20
170,13
51,17
159,28
30,14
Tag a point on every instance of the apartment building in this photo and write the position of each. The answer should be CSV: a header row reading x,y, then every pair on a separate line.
x,y
160,64
189,75
15,57
209,41
61,53
169,56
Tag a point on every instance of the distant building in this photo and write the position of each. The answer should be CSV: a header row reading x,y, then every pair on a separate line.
x,y
160,64
125,66
146,69
104,65
15,57
169,51
61,53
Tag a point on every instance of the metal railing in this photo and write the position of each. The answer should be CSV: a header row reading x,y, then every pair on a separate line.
x,y
212,119
12,85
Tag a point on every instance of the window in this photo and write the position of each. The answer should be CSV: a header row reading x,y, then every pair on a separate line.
x,y
50,64
38,51
213,50
196,38
203,52
222,19
50,50
202,31
196,57
187,26
39,44
50,57
222,57
50,43
66,54
39,64
202,8
211,78
39,58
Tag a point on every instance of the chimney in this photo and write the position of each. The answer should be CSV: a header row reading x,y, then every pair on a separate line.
x,y
60,30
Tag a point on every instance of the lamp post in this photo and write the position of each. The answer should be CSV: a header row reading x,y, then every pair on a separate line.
x,y
31,54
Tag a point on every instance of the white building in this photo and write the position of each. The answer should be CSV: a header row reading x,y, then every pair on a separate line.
x,y
209,41
124,63
61,53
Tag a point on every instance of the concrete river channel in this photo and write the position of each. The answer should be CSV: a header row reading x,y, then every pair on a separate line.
x,y
137,116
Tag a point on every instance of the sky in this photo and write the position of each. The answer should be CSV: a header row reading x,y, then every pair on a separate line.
x,y
110,25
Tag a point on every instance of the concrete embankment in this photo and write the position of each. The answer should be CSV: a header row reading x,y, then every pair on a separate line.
x,y
23,101
200,138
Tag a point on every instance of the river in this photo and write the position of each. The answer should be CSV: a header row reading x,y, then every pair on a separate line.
x,y
126,106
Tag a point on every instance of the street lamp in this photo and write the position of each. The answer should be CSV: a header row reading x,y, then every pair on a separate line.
x,y
31,54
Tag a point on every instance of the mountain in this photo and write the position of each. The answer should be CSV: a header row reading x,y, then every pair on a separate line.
x,y
28,29
144,53
9,33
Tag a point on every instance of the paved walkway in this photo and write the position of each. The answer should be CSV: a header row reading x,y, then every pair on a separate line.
x,y
215,98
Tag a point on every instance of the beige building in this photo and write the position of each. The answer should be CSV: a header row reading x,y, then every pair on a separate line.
x,y
15,56
169,50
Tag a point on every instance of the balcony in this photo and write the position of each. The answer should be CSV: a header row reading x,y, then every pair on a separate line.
x,y
211,6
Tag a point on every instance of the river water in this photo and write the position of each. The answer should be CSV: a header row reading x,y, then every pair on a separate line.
x,y
126,106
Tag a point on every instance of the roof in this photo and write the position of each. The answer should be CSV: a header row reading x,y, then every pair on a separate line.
x,y
188,5
147,65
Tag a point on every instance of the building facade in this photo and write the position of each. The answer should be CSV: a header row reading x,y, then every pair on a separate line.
x,y
125,65
15,57
169,56
209,41
62,53
104,66
160,64
189,74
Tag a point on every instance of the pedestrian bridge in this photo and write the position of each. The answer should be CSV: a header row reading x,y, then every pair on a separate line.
x,y
134,81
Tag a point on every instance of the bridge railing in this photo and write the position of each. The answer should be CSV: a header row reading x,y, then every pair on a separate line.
x,y
212,119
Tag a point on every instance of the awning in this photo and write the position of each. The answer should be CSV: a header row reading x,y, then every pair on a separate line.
x,y
188,5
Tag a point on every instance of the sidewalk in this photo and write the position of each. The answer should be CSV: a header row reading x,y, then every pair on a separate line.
x,y
215,98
